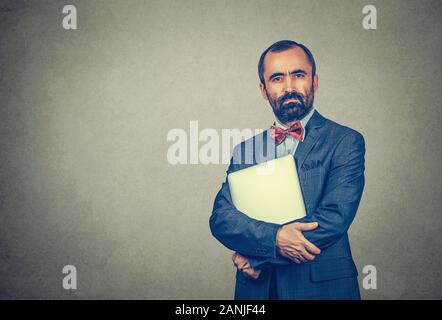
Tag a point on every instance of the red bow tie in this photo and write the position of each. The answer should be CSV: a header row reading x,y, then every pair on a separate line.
x,y
279,134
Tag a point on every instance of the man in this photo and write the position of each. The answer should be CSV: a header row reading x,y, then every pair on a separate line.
x,y
309,258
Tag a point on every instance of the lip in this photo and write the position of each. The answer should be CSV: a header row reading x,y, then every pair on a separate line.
x,y
292,99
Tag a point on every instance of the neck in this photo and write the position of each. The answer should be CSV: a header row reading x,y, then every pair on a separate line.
x,y
289,124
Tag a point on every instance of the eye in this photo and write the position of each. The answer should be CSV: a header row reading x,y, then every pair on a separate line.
x,y
276,79
299,75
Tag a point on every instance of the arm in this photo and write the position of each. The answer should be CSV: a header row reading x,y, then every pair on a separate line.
x,y
338,206
237,231
233,229
343,192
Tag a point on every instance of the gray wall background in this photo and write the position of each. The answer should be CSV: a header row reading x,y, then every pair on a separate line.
x,y
85,115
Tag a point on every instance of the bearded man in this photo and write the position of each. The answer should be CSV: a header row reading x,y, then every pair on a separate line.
x,y
309,258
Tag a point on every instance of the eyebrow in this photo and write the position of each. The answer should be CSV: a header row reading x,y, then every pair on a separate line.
x,y
277,74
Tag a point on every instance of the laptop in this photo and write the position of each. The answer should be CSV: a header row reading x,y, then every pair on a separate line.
x,y
269,191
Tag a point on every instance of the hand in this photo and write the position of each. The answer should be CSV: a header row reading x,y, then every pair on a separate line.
x,y
292,244
244,266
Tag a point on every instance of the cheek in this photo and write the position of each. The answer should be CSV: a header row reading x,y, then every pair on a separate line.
x,y
276,96
275,93
305,88
272,94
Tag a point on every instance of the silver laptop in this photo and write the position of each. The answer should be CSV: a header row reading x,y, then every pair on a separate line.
x,y
269,191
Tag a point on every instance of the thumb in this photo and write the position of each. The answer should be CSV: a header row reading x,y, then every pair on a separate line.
x,y
308,226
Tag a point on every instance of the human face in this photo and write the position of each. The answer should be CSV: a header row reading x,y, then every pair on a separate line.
x,y
289,85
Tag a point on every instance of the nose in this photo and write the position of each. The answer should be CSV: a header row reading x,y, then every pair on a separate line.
x,y
288,84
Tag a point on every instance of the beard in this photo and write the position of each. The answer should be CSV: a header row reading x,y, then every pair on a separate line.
x,y
294,110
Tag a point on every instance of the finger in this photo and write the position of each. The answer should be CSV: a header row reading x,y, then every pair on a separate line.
x,y
248,272
311,247
242,261
307,226
242,264
247,266
292,252
293,256
284,254
236,262
252,272
236,257
307,255
301,258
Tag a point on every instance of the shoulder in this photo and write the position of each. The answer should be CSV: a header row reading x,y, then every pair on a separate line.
x,y
341,133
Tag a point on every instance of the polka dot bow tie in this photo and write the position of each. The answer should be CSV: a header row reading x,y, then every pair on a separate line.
x,y
279,134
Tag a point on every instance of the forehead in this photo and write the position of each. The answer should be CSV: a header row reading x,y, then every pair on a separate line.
x,y
287,60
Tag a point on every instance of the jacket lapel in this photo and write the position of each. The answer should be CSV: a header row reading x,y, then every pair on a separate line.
x,y
312,135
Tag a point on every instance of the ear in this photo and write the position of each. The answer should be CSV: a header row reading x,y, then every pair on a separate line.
x,y
315,82
263,91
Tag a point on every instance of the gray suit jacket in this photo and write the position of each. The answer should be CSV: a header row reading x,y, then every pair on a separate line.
x,y
330,165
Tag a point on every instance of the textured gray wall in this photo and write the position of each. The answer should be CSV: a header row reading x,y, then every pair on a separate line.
x,y
85,115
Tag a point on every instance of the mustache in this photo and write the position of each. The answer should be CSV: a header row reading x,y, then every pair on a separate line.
x,y
291,95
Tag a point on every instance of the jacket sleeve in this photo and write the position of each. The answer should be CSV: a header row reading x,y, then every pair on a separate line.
x,y
343,191
237,231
